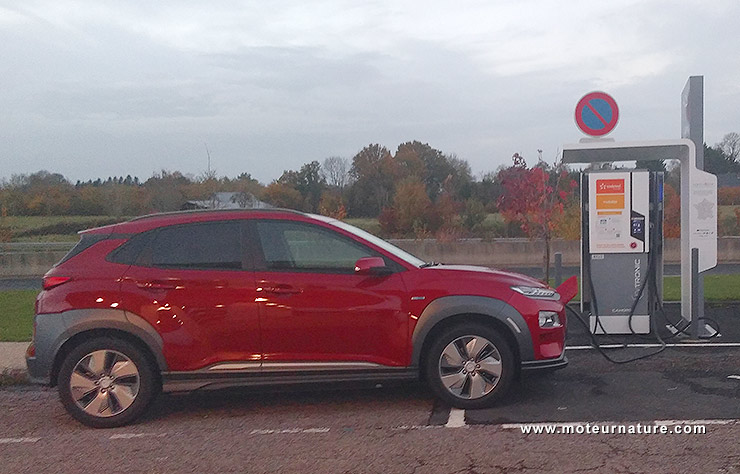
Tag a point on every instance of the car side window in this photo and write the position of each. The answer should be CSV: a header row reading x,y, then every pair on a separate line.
x,y
305,247
202,246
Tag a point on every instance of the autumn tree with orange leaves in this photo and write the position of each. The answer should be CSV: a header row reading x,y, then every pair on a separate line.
x,y
534,198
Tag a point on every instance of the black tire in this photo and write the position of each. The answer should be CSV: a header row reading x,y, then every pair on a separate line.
x,y
112,378
483,376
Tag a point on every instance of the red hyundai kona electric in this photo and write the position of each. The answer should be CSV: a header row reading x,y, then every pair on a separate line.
x,y
208,299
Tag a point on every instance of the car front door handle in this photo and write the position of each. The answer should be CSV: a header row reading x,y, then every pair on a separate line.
x,y
160,284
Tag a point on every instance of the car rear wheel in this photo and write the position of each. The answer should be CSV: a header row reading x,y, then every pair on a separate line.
x,y
469,366
106,382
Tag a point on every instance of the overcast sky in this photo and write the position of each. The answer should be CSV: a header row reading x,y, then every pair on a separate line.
x,y
96,89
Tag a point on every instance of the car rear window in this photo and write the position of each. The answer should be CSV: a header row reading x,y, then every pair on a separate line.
x,y
129,251
86,241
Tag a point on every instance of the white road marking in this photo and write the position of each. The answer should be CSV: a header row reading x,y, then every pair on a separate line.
x,y
416,427
456,419
290,431
137,435
734,377
18,440
652,346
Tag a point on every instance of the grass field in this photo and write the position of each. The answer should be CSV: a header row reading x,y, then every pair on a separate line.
x,y
16,306
16,315
52,228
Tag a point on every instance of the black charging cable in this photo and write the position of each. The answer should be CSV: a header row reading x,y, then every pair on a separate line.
x,y
595,311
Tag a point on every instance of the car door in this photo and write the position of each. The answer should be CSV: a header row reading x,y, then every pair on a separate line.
x,y
314,307
193,284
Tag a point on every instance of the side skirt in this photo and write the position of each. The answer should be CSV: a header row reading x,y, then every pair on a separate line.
x,y
214,380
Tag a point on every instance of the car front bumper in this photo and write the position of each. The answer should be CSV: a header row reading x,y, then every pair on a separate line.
x,y
546,364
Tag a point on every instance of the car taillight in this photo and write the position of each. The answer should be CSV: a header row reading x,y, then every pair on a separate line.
x,y
52,281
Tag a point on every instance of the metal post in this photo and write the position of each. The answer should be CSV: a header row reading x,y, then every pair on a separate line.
x,y
558,269
695,295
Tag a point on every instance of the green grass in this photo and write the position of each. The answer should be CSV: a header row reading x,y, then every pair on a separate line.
x,y
52,228
16,315
717,288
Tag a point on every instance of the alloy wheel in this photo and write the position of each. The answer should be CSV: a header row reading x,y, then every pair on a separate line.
x,y
470,367
104,383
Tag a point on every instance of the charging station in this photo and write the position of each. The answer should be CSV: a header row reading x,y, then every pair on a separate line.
x,y
622,220
621,249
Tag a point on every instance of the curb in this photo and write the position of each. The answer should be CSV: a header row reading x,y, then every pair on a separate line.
x,y
10,377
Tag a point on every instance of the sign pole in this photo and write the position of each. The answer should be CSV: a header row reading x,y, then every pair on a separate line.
x,y
692,127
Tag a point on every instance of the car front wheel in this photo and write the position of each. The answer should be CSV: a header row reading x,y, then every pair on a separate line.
x,y
469,366
106,382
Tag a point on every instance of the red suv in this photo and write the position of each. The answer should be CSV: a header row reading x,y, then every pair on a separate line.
x,y
209,299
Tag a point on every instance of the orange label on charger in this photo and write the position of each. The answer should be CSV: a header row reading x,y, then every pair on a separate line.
x,y
610,202
609,186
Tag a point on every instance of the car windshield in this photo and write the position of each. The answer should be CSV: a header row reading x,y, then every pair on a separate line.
x,y
377,241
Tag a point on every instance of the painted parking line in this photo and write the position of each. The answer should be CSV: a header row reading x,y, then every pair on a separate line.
x,y
290,431
416,427
18,440
457,418
137,435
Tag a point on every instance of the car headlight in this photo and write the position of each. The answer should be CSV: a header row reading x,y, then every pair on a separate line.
x,y
549,319
537,293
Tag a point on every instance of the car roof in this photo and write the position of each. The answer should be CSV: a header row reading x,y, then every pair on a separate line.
x,y
153,221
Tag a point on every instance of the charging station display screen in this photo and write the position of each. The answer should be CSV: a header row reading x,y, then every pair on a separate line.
x,y
618,205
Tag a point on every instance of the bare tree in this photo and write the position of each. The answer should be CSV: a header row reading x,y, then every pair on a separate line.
x,y
336,171
730,145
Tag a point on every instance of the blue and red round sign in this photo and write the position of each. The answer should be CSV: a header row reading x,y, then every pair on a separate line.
x,y
597,114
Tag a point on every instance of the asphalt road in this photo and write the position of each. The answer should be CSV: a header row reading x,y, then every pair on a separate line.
x,y
401,429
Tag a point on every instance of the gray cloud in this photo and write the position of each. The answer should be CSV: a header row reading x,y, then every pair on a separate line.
x,y
107,88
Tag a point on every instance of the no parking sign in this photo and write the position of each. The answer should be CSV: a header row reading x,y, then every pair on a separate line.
x,y
597,114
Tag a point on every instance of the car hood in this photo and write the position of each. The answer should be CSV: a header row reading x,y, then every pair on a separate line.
x,y
509,278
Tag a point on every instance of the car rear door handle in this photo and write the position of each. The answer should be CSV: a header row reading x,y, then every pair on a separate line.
x,y
281,289
160,284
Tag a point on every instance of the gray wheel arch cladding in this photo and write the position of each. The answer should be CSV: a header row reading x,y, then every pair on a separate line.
x,y
54,330
449,306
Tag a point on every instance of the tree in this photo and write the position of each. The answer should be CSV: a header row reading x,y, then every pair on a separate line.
x,y
717,162
533,198
335,171
283,195
436,168
331,205
474,214
166,190
374,172
730,146
309,182
671,212
411,204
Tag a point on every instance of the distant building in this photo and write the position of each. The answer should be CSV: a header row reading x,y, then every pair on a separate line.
x,y
227,200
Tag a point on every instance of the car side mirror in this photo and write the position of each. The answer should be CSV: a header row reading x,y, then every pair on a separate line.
x,y
373,266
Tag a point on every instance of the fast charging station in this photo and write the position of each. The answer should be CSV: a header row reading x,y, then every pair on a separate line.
x,y
621,249
622,220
